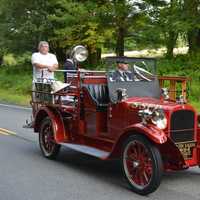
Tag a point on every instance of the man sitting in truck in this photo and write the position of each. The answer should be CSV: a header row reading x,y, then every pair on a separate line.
x,y
122,72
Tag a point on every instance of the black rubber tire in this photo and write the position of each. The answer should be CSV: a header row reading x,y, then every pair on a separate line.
x,y
51,154
156,162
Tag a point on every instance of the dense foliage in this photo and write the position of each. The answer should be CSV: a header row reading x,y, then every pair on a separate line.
x,y
112,25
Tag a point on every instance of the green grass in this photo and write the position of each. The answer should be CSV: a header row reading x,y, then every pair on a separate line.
x,y
7,96
196,105
15,86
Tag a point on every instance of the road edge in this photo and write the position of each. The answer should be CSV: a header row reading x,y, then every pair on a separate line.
x,y
15,106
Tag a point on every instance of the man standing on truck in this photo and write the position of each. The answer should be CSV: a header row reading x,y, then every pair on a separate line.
x,y
44,63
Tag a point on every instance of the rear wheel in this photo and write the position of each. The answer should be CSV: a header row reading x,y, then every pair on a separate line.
x,y
47,142
141,164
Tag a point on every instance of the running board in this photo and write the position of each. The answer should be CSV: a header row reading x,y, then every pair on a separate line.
x,y
88,150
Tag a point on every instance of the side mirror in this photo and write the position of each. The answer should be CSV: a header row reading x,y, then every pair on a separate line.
x,y
121,94
165,93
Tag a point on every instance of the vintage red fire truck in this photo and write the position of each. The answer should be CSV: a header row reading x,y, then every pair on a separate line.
x,y
150,129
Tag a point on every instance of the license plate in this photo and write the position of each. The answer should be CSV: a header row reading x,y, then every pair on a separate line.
x,y
186,149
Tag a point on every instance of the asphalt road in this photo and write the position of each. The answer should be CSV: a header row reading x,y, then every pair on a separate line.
x,y
26,175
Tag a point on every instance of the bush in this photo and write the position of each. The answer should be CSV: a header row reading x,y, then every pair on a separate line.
x,y
17,64
9,60
18,83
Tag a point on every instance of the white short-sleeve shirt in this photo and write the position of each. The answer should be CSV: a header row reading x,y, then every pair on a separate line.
x,y
44,59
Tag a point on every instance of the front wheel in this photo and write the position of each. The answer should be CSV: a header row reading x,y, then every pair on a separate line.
x,y
141,164
47,143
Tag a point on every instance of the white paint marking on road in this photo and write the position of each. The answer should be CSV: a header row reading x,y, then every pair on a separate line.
x,y
13,106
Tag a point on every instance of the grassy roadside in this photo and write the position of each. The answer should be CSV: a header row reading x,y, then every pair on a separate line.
x,y
196,105
7,96
15,86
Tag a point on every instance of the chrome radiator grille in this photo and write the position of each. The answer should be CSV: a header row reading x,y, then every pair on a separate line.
x,y
182,126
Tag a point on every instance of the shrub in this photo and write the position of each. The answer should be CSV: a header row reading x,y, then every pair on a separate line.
x,y
9,60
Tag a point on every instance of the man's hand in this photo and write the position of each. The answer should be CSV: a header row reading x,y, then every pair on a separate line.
x,y
52,68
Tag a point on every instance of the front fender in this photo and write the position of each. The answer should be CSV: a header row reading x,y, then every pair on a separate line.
x,y
57,122
156,135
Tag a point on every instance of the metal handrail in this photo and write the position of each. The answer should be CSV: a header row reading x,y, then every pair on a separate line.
x,y
81,71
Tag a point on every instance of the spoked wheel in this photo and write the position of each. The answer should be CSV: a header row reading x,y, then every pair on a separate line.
x,y
141,165
47,143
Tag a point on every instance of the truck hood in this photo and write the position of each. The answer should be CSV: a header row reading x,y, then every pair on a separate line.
x,y
144,102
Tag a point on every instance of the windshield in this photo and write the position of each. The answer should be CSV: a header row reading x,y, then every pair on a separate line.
x,y
131,70
136,75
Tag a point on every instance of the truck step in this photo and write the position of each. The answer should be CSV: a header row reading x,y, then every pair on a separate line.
x,y
87,150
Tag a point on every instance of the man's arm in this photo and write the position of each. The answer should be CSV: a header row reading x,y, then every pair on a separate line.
x,y
36,63
40,66
53,68
55,65
49,67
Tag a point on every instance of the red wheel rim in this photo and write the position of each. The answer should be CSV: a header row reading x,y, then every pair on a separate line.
x,y
137,164
48,142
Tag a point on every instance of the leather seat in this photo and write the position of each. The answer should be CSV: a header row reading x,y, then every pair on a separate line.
x,y
99,94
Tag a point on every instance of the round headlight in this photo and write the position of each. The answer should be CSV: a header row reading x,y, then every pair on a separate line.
x,y
80,53
159,119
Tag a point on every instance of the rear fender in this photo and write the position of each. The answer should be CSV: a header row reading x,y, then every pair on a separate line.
x,y
60,134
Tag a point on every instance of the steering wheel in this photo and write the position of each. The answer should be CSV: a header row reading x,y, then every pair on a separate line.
x,y
137,71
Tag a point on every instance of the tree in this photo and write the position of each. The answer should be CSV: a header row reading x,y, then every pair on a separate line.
x,y
97,24
75,22
170,21
3,48
119,16
24,24
192,21
167,22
